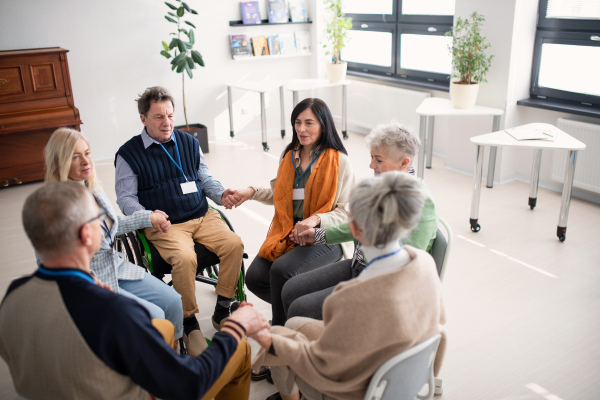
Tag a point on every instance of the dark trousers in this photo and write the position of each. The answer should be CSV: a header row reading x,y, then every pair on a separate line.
x,y
304,294
266,279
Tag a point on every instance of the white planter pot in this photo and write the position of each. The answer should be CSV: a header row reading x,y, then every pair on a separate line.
x,y
463,96
336,72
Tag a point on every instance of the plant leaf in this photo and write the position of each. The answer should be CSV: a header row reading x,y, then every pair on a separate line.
x,y
189,71
181,45
171,6
194,12
190,63
178,58
180,12
190,24
184,4
191,36
197,57
173,43
181,66
165,46
166,54
172,14
170,19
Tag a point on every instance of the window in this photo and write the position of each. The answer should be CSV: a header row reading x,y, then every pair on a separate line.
x,y
400,40
567,53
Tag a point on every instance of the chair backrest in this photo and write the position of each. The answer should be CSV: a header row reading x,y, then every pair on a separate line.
x,y
440,251
404,375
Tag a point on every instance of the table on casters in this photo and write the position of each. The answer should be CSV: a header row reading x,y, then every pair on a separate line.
x,y
261,88
435,106
562,141
295,85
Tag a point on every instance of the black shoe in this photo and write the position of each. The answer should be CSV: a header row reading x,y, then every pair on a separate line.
x,y
275,396
262,373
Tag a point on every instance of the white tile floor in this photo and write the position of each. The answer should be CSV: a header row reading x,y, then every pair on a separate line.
x,y
515,332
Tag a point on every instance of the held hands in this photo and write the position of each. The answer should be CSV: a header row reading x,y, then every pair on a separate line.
x,y
250,318
235,198
159,221
304,233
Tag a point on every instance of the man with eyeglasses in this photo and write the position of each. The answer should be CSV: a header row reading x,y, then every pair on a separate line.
x,y
65,336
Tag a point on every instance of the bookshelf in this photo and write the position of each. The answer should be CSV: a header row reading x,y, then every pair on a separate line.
x,y
270,57
266,22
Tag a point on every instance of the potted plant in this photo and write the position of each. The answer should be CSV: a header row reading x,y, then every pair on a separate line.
x,y
335,38
184,59
470,63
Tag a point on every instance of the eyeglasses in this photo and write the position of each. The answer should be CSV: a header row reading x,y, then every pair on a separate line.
x,y
102,214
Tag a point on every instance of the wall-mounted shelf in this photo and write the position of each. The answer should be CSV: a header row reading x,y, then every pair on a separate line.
x,y
239,22
254,58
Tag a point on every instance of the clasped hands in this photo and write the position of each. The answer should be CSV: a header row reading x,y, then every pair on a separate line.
x,y
256,325
159,221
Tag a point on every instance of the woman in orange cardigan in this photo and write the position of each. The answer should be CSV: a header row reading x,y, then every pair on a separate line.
x,y
311,190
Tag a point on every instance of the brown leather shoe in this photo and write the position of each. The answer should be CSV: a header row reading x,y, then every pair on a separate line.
x,y
195,342
219,325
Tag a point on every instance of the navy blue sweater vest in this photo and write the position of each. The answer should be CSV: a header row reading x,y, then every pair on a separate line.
x,y
159,179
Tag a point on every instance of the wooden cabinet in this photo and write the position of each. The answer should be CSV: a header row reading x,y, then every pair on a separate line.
x,y
35,99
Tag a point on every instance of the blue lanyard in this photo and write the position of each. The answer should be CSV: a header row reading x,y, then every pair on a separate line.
x,y
307,168
70,272
381,258
178,156
104,227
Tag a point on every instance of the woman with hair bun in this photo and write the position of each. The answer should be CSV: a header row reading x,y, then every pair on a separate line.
x,y
394,304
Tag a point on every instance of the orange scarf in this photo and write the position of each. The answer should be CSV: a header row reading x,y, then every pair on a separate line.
x,y
324,178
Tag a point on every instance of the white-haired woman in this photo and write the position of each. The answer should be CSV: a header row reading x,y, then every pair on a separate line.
x,y
68,158
395,303
393,147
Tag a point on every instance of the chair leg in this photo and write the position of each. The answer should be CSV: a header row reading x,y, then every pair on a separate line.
x,y
439,386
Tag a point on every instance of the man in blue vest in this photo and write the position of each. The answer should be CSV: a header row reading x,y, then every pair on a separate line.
x,y
164,169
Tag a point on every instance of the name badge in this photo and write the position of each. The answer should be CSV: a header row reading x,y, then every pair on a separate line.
x,y
298,194
189,187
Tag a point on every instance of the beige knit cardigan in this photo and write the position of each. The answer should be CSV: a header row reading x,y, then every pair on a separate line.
x,y
364,324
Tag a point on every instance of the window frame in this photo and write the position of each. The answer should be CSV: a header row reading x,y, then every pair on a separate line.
x,y
398,23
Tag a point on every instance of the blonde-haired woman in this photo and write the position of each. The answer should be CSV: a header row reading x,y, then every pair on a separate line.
x,y
68,158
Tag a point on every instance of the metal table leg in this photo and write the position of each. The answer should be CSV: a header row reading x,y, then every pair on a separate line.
x,y
422,129
561,230
230,105
295,97
344,112
535,177
493,151
475,227
263,122
282,106
430,140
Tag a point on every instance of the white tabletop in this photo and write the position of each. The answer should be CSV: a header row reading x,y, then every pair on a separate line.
x,y
502,139
308,84
260,87
435,106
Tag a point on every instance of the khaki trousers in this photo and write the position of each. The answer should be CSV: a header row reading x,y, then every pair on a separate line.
x,y
234,382
176,247
166,329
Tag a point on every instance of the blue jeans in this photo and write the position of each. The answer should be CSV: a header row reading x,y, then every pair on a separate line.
x,y
160,299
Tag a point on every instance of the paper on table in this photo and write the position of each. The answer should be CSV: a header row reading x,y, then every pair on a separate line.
x,y
529,134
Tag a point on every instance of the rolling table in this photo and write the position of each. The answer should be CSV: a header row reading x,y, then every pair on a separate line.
x,y
435,106
562,141
262,88
295,85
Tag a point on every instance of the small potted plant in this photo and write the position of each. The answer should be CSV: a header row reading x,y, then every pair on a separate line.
x,y
470,63
184,59
335,39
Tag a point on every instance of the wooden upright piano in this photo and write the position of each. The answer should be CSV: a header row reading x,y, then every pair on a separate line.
x,y
35,99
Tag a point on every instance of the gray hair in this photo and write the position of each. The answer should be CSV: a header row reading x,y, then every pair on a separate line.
x,y
152,95
397,139
386,207
53,215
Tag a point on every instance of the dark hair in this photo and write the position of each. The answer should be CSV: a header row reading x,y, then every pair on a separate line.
x,y
329,137
152,95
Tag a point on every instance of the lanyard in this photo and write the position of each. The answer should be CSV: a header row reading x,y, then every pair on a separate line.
x,y
381,258
307,168
104,227
178,156
70,272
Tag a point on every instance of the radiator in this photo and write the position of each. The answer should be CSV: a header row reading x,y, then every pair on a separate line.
x,y
587,170
370,104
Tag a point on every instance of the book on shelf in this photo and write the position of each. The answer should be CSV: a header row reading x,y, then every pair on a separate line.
x,y
298,11
274,48
278,12
240,46
302,42
260,47
287,43
250,12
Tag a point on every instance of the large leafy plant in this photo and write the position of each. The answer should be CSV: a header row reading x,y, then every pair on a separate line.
x,y
336,31
469,60
184,57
